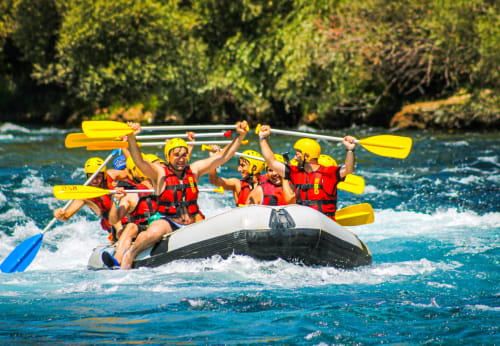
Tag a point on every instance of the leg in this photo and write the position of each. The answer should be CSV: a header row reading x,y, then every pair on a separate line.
x,y
145,239
130,231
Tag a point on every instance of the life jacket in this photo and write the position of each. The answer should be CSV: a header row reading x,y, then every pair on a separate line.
x,y
178,194
245,190
318,189
104,204
146,205
273,195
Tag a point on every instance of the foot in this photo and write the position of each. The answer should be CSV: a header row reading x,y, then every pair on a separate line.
x,y
109,260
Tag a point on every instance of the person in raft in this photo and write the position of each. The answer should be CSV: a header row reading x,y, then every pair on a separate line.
x,y
272,188
99,205
137,207
175,185
249,169
315,185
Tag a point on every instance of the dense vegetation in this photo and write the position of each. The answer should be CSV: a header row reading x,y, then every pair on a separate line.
x,y
321,62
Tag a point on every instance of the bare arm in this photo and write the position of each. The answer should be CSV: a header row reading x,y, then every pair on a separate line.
x,y
204,166
348,166
127,203
151,170
256,196
65,215
265,149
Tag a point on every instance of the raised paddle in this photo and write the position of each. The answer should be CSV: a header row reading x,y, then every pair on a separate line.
x,y
85,192
352,183
355,215
384,145
112,129
107,145
22,256
75,140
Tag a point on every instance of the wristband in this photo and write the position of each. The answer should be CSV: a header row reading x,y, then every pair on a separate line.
x,y
116,201
262,138
350,151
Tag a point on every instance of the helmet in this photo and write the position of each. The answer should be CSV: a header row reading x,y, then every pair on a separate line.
x,y
153,158
308,146
279,157
93,164
174,143
120,162
326,160
259,165
133,169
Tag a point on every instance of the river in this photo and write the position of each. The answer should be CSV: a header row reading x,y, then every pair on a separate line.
x,y
434,279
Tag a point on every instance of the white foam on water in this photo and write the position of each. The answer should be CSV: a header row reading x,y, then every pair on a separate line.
x,y
9,127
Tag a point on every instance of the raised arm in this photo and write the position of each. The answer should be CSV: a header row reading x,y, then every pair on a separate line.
x,y
265,149
350,145
149,169
204,166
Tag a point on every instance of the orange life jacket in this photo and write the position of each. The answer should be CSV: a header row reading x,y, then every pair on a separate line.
x,y
318,189
178,194
273,195
146,205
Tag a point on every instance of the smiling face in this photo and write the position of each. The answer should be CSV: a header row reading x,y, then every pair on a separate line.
x,y
273,177
243,166
178,158
97,181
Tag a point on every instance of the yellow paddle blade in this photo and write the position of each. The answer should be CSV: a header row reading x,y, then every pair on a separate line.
x,y
220,189
77,192
388,145
352,183
76,140
355,215
108,145
105,129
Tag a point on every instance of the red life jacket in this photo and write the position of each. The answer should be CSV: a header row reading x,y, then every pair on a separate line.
x,y
104,204
318,189
245,190
178,194
273,195
146,205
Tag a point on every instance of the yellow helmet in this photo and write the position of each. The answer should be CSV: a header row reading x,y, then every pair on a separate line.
x,y
93,164
326,160
133,169
174,143
279,157
308,146
256,166
153,158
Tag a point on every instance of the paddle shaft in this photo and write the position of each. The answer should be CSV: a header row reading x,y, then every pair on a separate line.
x,y
89,180
184,135
187,127
308,135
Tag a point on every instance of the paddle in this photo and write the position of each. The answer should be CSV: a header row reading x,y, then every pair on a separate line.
x,y
384,145
85,192
355,215
352,183
75,140
111,129
22,256
109,144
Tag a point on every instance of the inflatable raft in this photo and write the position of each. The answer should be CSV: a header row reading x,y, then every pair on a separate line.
x,y
294,233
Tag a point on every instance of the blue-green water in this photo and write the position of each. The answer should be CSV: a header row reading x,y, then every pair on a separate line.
x,y
434,280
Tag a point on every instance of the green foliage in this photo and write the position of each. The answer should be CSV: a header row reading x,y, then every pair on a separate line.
x,y
330,63
124,51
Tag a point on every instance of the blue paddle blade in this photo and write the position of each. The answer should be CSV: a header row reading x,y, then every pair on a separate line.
x,y
22,256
